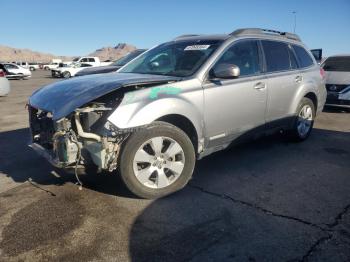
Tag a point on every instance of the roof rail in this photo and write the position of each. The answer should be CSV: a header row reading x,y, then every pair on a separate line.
x,y
258,31
183,36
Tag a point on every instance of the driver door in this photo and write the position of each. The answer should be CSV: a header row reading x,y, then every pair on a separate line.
x,y
232,107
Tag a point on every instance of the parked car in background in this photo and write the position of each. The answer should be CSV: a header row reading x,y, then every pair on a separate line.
x,y
114,66
69,71
16,71
53,64
31,66
337,70
179,101
91,60
4,83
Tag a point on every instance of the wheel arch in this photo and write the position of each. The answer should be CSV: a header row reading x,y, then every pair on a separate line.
x,y
312,96
184,124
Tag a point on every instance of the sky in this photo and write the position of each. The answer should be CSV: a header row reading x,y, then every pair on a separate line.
x,y
79,27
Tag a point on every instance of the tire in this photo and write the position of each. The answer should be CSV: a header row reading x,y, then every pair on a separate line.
x,y
31,68
152,187
66,74
297,133
46,68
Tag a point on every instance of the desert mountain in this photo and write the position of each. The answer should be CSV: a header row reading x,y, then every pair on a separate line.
x,y
9,54
113,53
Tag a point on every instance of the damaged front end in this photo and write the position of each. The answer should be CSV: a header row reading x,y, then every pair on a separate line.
x,y
81,139
69,119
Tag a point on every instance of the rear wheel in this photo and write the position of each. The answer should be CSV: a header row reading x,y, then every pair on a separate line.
x,y
304,121
157,160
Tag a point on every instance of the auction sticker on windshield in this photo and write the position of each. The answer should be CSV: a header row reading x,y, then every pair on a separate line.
x,y
196,47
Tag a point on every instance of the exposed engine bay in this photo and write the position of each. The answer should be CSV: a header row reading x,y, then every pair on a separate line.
x,y
82,138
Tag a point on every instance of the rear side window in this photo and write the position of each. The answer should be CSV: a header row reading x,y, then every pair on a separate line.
x,y
276,55
91,59
339,63
303,56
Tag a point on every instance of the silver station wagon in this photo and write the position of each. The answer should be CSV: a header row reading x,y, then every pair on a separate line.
x,y
178,102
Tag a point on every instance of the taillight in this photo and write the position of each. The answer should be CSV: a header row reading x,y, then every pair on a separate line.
x,y
2,73
323,73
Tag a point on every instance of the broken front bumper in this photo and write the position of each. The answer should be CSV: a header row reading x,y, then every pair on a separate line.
x,y
48,155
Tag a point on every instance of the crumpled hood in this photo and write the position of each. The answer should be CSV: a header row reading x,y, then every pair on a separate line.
x,y
63,97
98,70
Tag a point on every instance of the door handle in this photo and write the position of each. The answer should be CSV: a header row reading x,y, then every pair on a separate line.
x,y
298,79
260,85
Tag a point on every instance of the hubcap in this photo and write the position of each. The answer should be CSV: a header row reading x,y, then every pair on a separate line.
x,y
159,162
304,120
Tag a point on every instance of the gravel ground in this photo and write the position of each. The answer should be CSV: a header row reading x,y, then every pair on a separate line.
x,y
267,200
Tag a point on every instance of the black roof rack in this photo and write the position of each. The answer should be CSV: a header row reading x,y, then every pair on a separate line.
x,y
260,31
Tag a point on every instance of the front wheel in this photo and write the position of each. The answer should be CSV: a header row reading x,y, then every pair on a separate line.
x,y
304,120
157,160
66,74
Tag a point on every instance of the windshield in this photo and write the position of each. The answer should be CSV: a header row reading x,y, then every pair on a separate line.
x,y
174,58
339,63
126,59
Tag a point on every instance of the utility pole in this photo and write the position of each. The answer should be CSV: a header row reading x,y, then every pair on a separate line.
x,y
295,20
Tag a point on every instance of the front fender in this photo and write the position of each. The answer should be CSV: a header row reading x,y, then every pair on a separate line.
x,y
145,111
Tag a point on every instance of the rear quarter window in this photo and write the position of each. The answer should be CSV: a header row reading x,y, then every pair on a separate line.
x,y
276,55
303,56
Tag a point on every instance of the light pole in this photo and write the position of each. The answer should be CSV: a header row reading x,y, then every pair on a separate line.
x,y
295,20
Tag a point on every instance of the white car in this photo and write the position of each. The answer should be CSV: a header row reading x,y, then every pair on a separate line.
x,y
16,71
92,60
31,66
4,84
337,69
69,71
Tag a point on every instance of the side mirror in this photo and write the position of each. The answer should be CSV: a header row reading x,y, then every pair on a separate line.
x,y
225,71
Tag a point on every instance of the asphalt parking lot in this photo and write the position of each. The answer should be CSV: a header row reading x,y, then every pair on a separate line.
x,y
267,200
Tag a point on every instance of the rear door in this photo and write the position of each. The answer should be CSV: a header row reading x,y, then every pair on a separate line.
x,y
283,80
234,106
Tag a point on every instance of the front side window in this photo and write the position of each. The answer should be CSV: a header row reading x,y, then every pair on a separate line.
x,y
180,59
245,55
337,63
276,56
303,56
91,59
